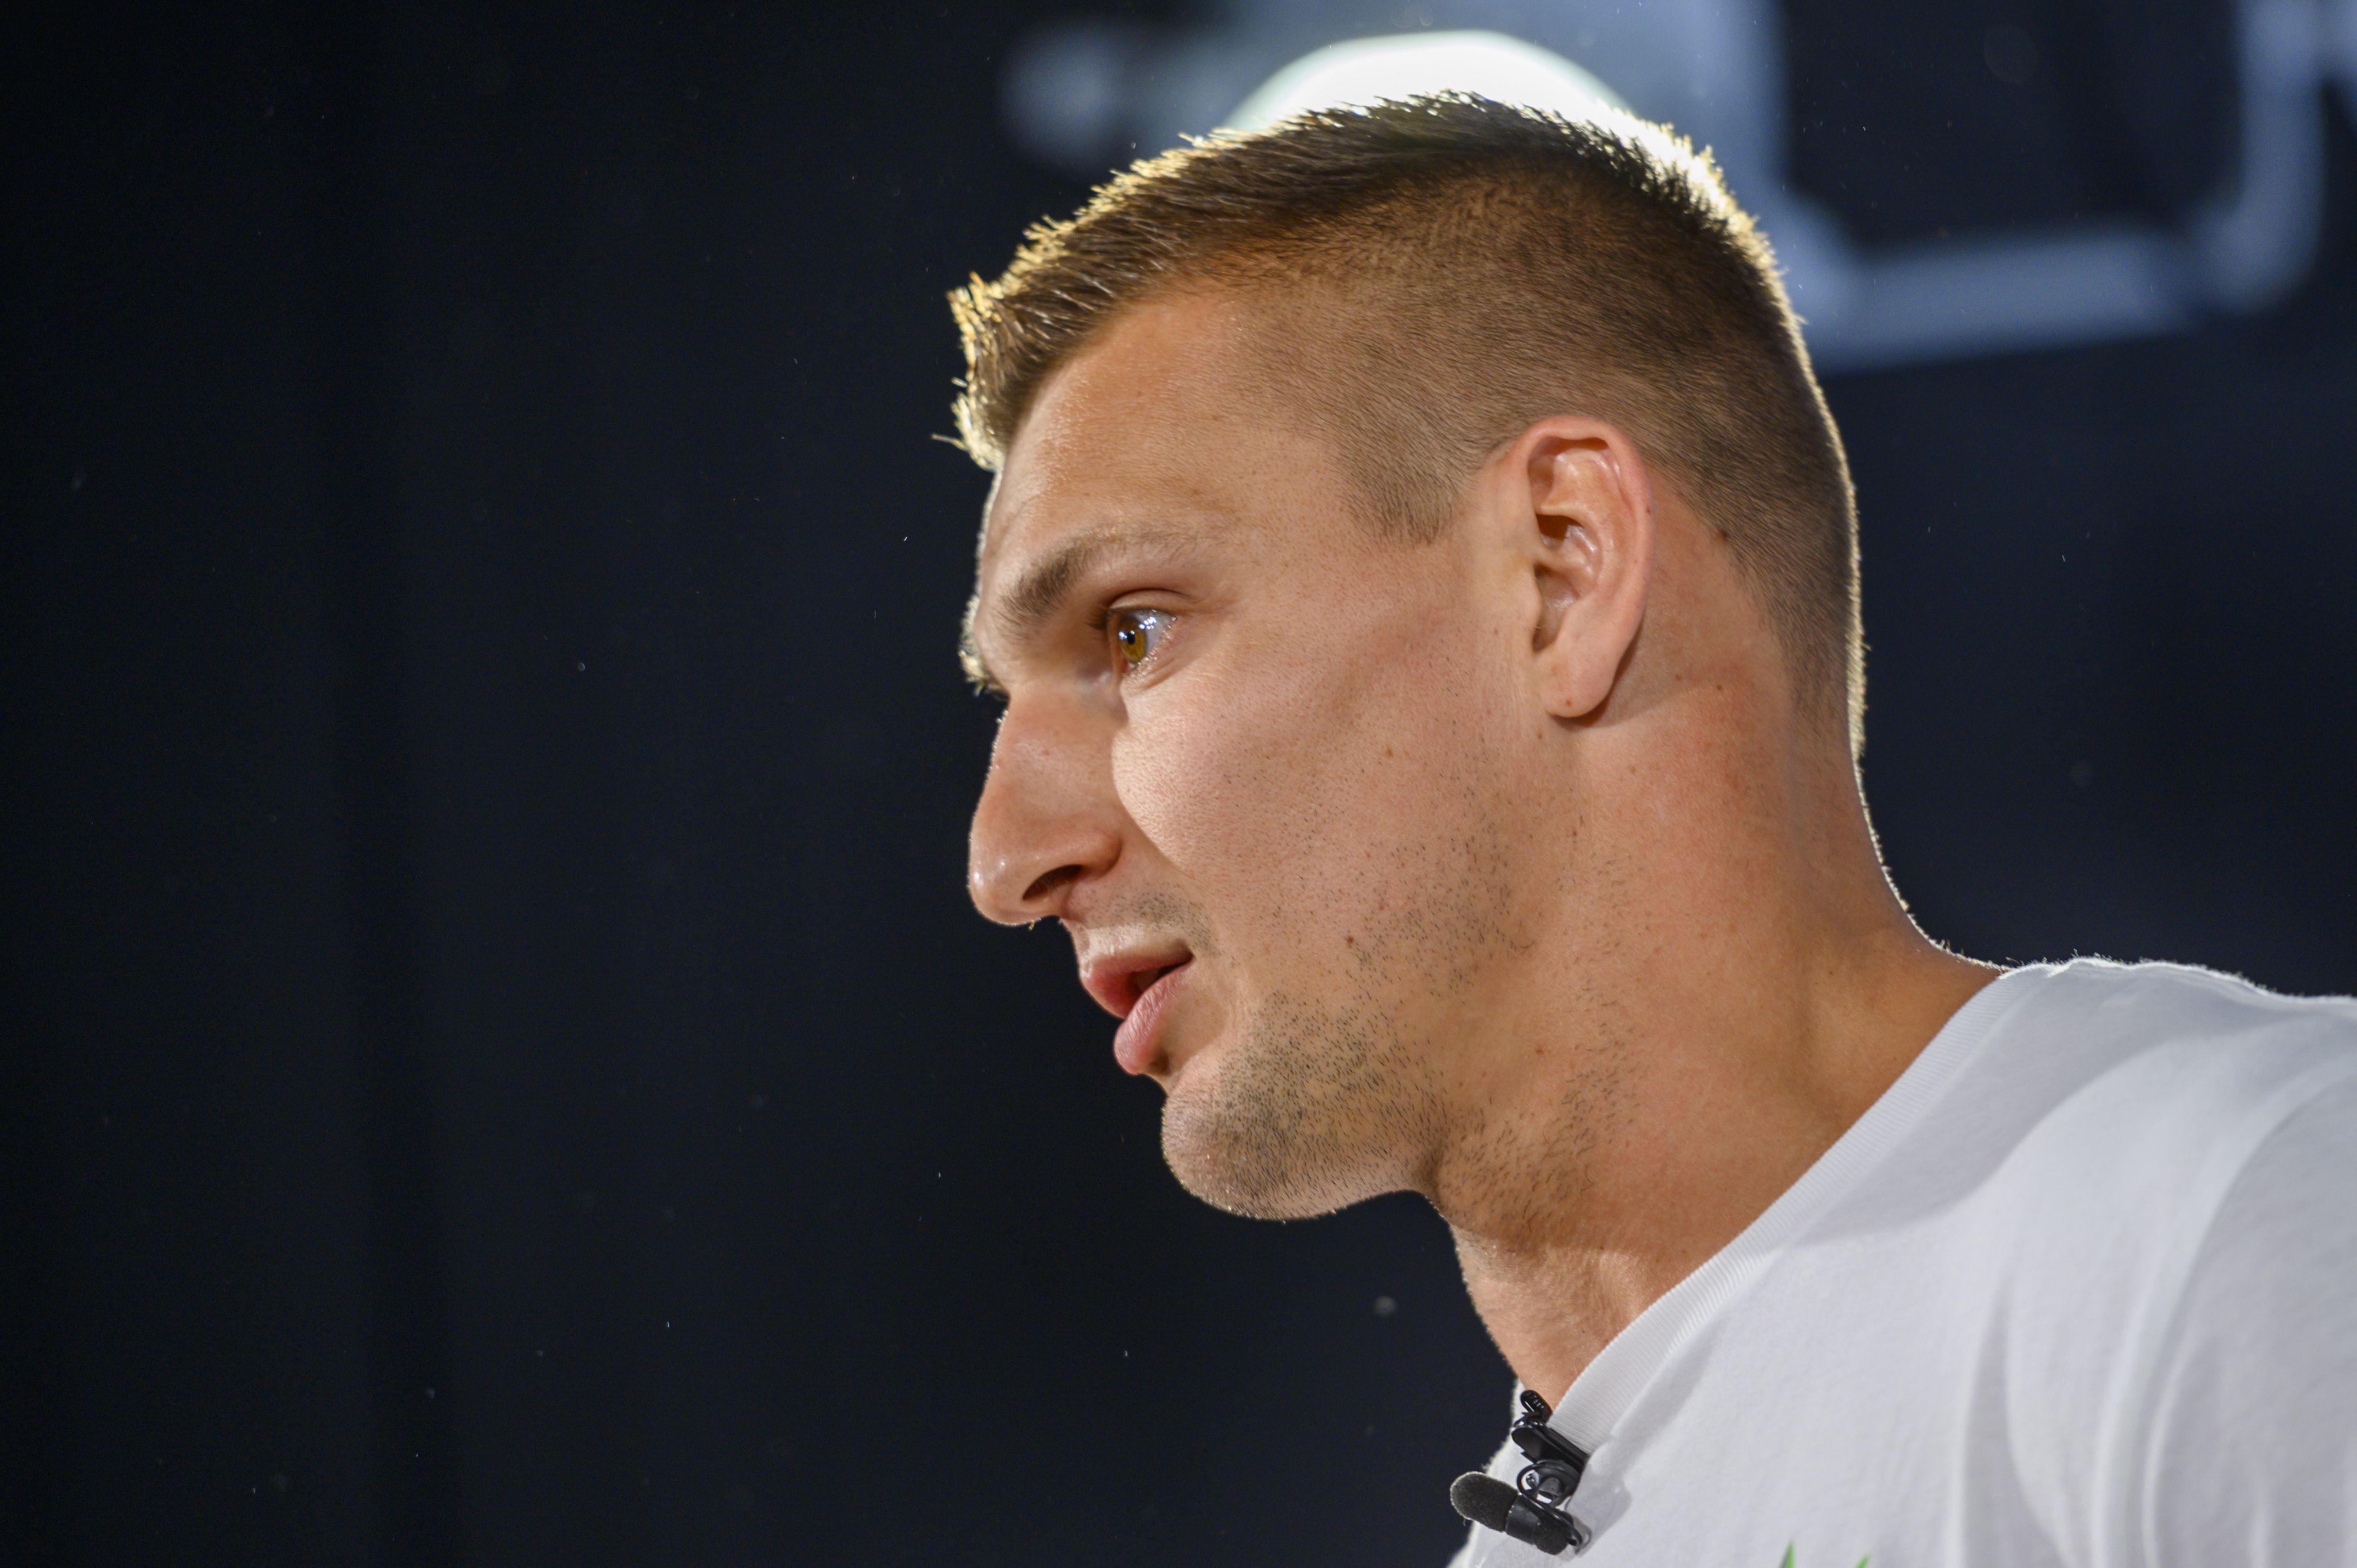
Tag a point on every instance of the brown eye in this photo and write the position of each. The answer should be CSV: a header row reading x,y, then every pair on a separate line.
x,y
1138,633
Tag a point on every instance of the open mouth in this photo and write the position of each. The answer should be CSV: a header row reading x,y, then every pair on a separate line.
x,y
1119,985
1142,980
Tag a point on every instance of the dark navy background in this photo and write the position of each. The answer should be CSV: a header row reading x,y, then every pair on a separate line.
x,y
503,1069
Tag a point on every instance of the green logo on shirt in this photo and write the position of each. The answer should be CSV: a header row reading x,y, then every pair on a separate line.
x,y
1788,1558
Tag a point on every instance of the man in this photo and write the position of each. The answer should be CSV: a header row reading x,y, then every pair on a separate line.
x,y
1421,577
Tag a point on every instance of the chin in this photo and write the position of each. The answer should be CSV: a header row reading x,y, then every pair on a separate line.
x,y
1266,1145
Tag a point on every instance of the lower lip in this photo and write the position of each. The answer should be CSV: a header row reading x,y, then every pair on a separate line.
x,y
1132,1043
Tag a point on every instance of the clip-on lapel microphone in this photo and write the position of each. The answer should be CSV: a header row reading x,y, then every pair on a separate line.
x,y
1531,1509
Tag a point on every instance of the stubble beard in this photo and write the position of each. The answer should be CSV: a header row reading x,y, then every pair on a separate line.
x,y
1308,1111
1318,1102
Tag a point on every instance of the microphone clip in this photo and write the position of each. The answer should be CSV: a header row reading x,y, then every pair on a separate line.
x,y
1532,1509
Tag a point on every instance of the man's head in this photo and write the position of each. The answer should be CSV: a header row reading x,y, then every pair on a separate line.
x,y
1439,274
1377,498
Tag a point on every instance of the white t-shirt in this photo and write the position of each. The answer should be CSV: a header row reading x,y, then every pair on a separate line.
x,y
2079,1289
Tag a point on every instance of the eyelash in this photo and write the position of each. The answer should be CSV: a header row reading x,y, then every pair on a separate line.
x,y
1105,619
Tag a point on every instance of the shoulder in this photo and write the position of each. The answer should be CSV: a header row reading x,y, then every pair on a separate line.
x,y
2125,1127
2147,1004
2102,1062
2116,1105
2071,1091
2251,1444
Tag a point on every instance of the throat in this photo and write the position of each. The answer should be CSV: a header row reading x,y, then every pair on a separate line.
x,y
1552,1309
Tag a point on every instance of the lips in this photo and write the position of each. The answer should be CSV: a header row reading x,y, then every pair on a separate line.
x,y
1134,1043
1137,989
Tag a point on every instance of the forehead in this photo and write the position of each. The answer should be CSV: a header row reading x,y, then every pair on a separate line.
x,y
1162,417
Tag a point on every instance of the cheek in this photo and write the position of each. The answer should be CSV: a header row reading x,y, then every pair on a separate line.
x,y
1298,798
1230,782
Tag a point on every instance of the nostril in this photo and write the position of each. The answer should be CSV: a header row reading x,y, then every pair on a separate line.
x,y
1050,882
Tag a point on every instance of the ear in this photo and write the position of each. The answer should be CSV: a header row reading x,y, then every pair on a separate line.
x,y
1576,505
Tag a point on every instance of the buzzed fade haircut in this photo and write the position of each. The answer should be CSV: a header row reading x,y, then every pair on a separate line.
x,y
1441,273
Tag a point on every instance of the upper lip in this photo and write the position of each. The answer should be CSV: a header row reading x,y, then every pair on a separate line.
x,y
1118,980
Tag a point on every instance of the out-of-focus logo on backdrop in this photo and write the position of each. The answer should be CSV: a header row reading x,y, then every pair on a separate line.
x,y
1086,95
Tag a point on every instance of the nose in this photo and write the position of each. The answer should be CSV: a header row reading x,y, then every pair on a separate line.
x,y
1047,822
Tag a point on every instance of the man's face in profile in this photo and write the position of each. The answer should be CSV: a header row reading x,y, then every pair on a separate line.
x,y
1247,737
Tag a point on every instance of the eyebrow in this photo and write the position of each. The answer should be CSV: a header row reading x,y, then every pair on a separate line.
x,y
1039,595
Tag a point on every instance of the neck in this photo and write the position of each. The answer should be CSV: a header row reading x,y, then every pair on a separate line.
x,y
1639,1107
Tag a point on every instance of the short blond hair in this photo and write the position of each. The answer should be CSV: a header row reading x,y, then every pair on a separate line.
x,y
1462,268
